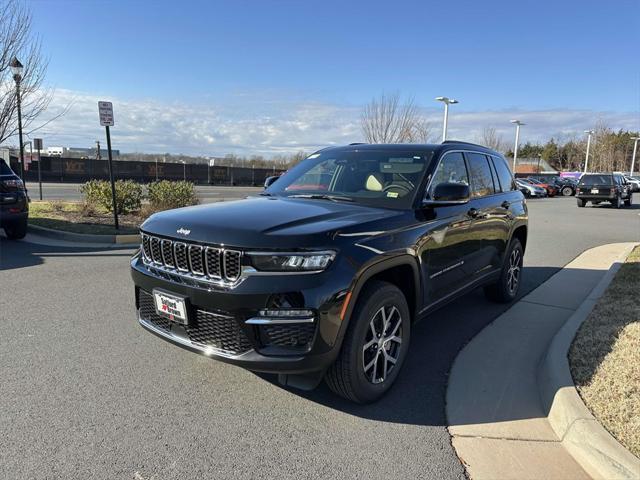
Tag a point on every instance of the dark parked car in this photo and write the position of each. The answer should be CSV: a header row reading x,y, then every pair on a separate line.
x,y
14,203
603,187
565,186
324,274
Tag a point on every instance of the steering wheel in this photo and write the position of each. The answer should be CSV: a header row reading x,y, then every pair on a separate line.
x,y
397,187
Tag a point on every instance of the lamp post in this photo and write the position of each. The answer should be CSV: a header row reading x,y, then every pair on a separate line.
x,y
16,68
447,101
518,124
633,158
586,158
184,170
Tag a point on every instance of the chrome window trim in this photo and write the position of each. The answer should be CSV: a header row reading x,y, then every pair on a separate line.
x,y
426,190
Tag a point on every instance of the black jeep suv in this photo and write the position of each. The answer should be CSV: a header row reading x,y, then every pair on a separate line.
x,y
14,203
324,274
604,187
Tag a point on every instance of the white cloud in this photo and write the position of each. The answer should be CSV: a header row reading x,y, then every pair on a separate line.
x,y
271,126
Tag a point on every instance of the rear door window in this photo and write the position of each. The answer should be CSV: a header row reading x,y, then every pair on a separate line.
x,y
480,172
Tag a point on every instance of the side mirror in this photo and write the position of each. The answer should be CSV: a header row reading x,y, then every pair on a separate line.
x,y
449,194
269,181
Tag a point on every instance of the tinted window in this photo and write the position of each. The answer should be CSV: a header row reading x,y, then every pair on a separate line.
x,y
481,179
4,168
451,170
596,180
504,174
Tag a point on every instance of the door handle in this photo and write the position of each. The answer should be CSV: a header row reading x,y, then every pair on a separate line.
x,y
505,205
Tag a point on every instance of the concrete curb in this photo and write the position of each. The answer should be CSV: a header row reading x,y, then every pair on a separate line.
x,y
124,240
586,440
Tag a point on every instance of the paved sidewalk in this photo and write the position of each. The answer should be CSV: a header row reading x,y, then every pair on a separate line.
x,y
494,412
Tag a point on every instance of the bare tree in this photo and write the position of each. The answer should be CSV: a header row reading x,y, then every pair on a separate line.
x,y
387,120
491,139
17,40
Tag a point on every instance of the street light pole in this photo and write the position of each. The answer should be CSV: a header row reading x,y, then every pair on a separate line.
x,y
586,158
17,68
184,170
518,124
633,158
447,101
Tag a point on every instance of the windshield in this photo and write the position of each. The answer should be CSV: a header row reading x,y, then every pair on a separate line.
x,y
596,180
388,179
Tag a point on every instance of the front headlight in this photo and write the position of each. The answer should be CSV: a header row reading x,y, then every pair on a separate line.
x,y
291,262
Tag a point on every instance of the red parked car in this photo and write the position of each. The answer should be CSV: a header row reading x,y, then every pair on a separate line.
x,y
552,190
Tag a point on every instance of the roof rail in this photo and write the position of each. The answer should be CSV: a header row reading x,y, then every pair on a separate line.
x,y
466,143
358,143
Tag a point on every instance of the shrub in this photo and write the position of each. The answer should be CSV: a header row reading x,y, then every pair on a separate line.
x,y
165,195
128,195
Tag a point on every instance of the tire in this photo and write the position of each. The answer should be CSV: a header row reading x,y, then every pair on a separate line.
x,y
618,202
629,200
506,288
354,375
567,191
16,231
581,203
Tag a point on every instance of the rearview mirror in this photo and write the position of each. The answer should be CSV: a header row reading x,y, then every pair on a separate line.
x,y
269,181
449,194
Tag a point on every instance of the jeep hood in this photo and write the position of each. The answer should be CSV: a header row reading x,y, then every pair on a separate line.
x,y
269,222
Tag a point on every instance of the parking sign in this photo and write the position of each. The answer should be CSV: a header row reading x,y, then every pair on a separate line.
x,y
105,109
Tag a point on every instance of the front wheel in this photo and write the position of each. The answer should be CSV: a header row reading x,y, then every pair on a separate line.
x,y
567,191
507,286
374,346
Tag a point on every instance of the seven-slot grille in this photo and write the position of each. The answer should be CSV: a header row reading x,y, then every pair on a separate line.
x,y
206,262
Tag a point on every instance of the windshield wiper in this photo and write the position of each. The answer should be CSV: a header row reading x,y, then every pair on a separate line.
x,y
321,196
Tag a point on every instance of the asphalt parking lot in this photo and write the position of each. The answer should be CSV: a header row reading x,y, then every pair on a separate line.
x,y
87,394
71,192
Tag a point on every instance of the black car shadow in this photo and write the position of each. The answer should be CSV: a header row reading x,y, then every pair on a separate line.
x,y
16,254
418,396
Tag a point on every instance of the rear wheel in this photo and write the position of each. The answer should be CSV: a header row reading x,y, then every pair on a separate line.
x,y
374,346
581,202
629,200
506,288
618,202
17,230
567,191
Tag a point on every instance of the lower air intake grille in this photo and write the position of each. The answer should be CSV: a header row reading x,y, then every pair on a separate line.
x,y
297,335
208,329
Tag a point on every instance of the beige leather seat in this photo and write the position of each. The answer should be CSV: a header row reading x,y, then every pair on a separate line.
x,y
375,182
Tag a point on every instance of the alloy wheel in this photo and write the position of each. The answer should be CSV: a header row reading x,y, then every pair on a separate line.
x,y
513,274
382,345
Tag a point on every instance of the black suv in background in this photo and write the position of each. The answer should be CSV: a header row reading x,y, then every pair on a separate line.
x,y
324,274
14,203
603,187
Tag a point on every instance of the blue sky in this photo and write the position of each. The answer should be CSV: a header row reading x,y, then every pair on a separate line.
x,y
241,64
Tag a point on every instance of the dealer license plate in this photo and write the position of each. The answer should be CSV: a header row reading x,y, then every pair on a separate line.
x,y
170,306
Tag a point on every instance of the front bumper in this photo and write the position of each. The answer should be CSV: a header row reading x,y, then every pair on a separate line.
x,y
218,325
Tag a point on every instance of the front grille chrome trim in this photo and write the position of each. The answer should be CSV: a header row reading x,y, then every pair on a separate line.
x,y
205,350
278,321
